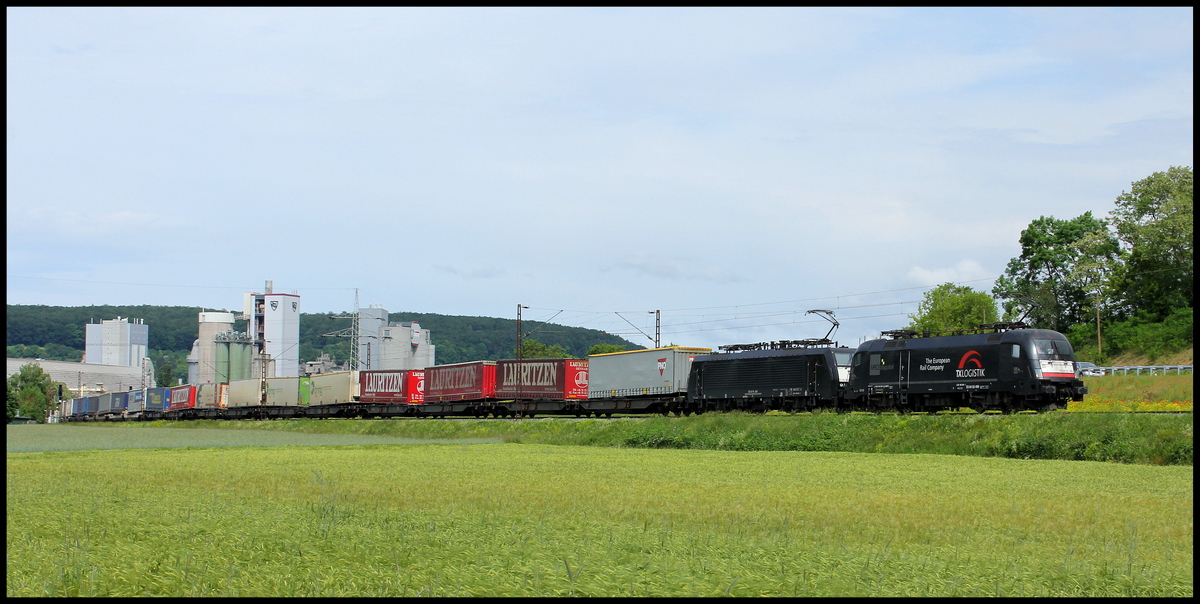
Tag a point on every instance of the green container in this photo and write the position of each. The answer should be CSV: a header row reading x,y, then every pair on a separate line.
x,y
305,390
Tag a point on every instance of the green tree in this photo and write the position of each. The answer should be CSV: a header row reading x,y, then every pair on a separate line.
x,y
1037,284
1154,224
949,307
34,391
164,375
533,349
605,348
1099,259
13,406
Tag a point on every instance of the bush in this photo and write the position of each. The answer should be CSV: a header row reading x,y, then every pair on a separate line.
x,y
1138,335
1154,340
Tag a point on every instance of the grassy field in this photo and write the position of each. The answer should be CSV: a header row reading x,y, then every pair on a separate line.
x,y
1121,437
538,520
1120,393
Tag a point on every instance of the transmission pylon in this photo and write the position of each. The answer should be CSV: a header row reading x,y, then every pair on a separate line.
x,y
351,332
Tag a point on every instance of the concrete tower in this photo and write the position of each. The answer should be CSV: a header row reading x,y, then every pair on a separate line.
x,y
275,326
211,324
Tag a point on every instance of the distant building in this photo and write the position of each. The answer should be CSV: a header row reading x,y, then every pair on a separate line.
x,y
392,345
274,324
211,324
234,356
323,364
193,363
116,342
87,379
405,345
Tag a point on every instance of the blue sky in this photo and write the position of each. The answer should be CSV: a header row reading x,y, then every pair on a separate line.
x,y
730,167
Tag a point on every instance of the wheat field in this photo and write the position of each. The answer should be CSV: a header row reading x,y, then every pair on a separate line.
x,y
543,520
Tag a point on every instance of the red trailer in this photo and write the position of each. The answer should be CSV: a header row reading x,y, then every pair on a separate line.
x,y
392,386
542,379
474,380
182,397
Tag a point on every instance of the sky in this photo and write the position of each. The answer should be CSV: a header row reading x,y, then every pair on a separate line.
x,y
730,168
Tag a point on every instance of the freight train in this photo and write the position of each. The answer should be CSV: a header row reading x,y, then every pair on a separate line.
x,y
1005,367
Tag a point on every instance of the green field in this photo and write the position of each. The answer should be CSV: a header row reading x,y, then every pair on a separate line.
x,y
1147,388
76,437
541,520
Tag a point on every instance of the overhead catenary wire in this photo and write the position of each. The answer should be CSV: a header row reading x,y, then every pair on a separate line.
x,y
718,321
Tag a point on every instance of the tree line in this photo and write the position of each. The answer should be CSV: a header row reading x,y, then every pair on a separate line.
x,y
1114,285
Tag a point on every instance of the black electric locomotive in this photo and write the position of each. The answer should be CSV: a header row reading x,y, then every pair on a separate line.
x,y
1011,369
788,375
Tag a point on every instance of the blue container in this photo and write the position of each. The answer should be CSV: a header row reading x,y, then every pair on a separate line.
x,y
120,402
157,398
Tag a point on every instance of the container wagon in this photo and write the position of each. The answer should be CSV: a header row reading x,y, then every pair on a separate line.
x,y
653,380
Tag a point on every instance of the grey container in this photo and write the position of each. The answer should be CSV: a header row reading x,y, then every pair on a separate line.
x,y
105,403
655,371
245,393
283,391
206,396
137,401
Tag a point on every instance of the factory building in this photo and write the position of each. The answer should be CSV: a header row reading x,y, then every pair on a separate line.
x,y
392,345
274,324
89,379
234,358
116,342
205,348
193,363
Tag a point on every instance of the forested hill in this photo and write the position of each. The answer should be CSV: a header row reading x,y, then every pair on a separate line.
x,y
460,338
58,332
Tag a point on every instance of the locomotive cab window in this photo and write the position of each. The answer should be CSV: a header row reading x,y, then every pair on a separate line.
x,y
842,358
1016,351
1052,350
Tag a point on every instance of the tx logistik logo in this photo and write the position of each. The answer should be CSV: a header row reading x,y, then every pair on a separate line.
x,y
971,357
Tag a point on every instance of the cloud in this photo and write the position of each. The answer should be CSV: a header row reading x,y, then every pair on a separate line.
x,y
674,269
64,222
965,270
